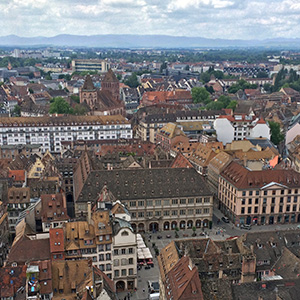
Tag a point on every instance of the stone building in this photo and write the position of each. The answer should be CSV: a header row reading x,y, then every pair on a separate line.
x,y
259,197
105,101
158,198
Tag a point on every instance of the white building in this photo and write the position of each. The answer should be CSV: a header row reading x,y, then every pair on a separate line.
x,y
124,255
238,127
50,131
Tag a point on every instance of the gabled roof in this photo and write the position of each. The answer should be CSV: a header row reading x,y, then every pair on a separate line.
x,y
88,84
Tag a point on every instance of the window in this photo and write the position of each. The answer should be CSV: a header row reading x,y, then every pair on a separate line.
x,y
116,252
123,251
116,262
265,193
206,210
244,193
191,200
255,209
149,202
157,202
100,248
198,200
198,211
174,201
182,212
182,201
249,210
108,267
166,202
158,213
130,272
108,247
243,201
190,211
130,261
117,273
124,272
250,201
130,251
123,261
174,212
141,203
107,237
256,200
206,200
243,210
108,256
141,214
166,213
257,193
132,203
101,257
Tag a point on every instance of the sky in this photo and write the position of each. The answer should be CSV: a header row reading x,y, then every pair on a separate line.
x,y
229,19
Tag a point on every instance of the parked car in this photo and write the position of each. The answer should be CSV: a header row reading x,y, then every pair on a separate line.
x,y
225,219
168,236
246,226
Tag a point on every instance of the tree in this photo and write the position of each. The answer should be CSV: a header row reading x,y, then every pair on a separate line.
x,y
215,105
200,95
75,98
262,74
79,110
132,81
276,135
60,106
225,100
232,105
16,111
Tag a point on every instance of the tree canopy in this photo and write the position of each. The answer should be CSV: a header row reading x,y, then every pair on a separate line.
x,y
276,135
132,81
60,106
200,95
241,85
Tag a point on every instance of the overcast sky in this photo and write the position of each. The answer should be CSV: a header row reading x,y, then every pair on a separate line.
x,y
230,19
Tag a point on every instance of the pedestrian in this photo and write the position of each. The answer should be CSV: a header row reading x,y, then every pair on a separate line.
x,y
143,290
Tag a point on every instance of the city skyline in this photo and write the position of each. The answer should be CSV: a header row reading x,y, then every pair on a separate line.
x,y
226,19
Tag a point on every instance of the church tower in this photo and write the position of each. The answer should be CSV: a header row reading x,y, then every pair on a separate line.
x,y
111,83
88,93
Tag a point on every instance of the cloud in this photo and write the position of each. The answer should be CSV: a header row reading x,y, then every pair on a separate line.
x,y
230,19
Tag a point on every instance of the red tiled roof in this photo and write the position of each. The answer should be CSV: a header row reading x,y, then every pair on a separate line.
x,y
184,282
243,178
17,175
56,240
181,162
11,279
25,250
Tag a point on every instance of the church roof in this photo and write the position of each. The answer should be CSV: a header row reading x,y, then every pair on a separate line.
x,y
88,83
110,76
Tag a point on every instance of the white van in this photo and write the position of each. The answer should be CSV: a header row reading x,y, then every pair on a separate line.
x,y
154,296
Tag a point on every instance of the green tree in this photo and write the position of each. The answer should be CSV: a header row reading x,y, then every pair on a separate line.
x,y
215,105
16,111
79,110
232,105
225,100
262,74
75,98
60,106
276,135
200,95
132,81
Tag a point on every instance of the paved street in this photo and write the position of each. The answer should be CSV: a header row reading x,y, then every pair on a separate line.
x,y
224,230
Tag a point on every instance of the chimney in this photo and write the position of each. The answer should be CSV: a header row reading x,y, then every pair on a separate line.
x,y
230,250
89,208
220,274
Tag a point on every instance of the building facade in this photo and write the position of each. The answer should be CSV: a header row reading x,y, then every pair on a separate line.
x,y
157,199
259,197
81,65
50,131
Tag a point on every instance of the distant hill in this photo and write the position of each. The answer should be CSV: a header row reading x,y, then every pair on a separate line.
x,y
141,41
